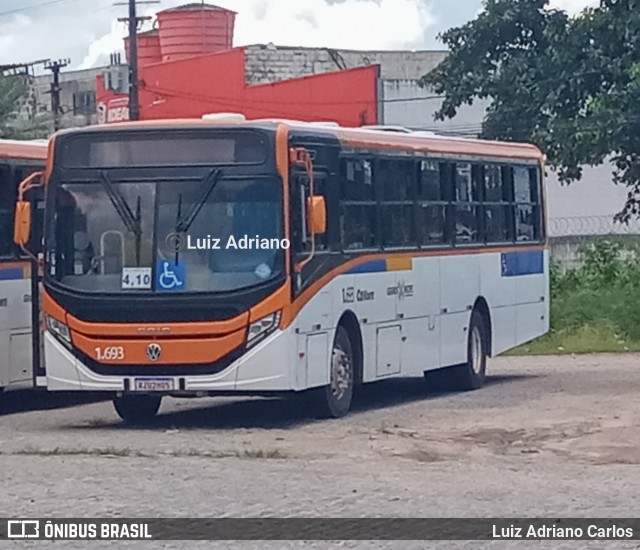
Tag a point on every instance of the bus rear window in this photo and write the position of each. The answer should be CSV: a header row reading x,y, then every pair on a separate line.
x,y
168,148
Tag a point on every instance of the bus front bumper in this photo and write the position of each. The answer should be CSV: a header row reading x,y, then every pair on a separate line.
x,y
263,368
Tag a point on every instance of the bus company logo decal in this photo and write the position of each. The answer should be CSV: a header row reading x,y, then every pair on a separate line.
x,y
154,351
401,290
350,295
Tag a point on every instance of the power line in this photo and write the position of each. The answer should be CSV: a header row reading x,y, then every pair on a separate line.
x,y
55,68
36,6
133,20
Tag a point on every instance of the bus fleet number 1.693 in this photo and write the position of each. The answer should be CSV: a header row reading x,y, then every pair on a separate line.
x,y
110,353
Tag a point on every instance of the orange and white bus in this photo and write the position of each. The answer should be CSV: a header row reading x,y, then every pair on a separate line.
x,y
204,257
18,159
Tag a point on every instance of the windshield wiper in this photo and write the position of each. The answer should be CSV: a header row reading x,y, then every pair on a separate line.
x,y
208,184
131,222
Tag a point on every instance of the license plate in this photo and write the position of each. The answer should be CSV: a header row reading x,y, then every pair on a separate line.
x,y
153,384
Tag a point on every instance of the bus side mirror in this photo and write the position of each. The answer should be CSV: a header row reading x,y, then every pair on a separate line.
x,y
317,217
22,223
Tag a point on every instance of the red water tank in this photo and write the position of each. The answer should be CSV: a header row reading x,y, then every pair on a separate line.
x,y
195,29
148,48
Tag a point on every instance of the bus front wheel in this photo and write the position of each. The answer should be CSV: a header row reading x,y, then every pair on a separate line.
x,y
470,375
137,409
334,400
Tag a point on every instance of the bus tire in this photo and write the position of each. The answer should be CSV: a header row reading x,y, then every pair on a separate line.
x,y
470,375
334,400
137,409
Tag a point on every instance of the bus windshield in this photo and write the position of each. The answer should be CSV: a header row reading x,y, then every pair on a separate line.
x,y
123,236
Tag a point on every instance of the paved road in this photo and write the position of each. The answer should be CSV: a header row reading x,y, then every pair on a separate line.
x,y
554,437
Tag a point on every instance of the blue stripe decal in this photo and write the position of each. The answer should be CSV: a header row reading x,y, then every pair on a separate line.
x,y
374,266
11,274
515,264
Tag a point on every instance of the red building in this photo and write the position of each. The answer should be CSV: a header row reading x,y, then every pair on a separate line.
x,y
188,68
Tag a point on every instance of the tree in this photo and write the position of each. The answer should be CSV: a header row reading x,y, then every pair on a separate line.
x,y
569,85
12,90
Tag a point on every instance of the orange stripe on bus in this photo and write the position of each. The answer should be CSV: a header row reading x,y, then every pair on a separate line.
x,y
148,330
157,330
399,264
50,307
306,296
282,162
174,352
276,302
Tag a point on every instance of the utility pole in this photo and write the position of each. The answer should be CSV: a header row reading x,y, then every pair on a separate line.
x,y
55,67
133,20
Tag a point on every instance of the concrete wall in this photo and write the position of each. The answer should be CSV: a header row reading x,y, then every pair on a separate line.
x,y
269,63
405,103
37,109
190,88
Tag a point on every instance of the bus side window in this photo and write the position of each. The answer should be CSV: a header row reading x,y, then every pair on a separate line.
x,y
467,228
301,238
358,205
495,207
432,203
396,180
527,204
10,179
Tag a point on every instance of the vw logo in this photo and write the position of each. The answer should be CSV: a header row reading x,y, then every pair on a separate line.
x,y
154,351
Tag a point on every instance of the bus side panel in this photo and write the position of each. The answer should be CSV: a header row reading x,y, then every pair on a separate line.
x,y
419,303
533,300
15,327
500,293
365,295
459,289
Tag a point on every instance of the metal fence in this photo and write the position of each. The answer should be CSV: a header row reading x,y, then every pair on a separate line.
x,y
568,234
591,226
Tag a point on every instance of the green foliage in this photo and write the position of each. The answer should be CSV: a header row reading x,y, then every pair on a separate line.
x,y
569,85
12,89
595,307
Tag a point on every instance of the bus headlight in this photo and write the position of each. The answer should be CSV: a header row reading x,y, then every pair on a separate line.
x,y
261,328
59,330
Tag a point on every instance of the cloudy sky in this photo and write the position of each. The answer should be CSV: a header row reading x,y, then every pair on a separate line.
x,y
86,31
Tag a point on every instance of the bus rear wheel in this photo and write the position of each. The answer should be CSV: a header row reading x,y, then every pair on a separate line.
x,y
334,400
137,409
470,375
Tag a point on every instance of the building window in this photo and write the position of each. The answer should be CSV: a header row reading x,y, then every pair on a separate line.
x,y
84,103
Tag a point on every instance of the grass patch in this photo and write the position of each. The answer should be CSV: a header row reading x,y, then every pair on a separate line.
x,y
585,339
594,308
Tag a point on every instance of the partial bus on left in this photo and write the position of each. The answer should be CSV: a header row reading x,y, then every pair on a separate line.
x,y
18,160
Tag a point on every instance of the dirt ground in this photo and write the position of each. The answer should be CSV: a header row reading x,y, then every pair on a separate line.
x,y
546,437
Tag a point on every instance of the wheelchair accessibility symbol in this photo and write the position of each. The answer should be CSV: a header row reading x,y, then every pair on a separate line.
x,y
170,276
